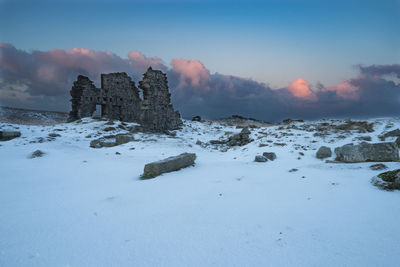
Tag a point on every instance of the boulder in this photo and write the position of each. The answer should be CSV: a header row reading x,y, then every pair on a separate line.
x,y
393,133
240,139
270,155
323,152
365,152
389,180
170,164
378,167
8,135
111,140
123,139
260,159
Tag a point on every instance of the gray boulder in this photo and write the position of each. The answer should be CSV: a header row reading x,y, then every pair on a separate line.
x,y
170,164
393,133
270,155
389,180
240,139
324,152
260,159
123,139
8,135
112,140
365,152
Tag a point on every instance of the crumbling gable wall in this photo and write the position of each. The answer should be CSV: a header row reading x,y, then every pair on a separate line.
x,y
156,110
84,95
119,99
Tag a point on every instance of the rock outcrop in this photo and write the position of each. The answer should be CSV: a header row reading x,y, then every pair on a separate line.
x,y
118,98
170,164
365,152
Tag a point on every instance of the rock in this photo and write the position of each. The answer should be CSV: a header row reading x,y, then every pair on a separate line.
x,y
260,159
108,129
170,164
324,152
365,138
99,143
8,135
270,155
123,139
240,139
397,141
393,133
37,154
217,142
377,167
293,170
365,152
173,134
111,140
389,180
196,118
54,135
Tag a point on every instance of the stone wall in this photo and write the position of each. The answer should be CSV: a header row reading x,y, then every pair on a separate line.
x,y
119,100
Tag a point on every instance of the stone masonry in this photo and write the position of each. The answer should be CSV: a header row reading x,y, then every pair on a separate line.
x,y
119,99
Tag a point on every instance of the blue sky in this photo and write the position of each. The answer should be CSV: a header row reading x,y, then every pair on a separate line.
x,y
274,42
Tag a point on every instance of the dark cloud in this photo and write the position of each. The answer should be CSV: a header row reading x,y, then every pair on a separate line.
x,y
43,79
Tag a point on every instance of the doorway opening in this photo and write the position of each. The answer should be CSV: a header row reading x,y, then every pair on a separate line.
x,y
98,111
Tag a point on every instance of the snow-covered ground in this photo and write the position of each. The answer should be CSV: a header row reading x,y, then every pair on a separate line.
x,y
80,206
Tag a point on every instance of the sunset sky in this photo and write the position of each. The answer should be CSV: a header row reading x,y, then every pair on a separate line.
x,y
304,47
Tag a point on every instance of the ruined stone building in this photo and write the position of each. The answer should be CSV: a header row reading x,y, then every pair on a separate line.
x,y
118,98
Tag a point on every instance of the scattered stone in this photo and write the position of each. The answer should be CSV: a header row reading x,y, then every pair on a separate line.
x,y
262,145
364,138
240,139
117,153
123,139
293,170
324,152
378,167
389,180
170,164
108,129
54,135
394,133
280,144
364,152
8,135
270,155
37,154
259,158
196,118
301,153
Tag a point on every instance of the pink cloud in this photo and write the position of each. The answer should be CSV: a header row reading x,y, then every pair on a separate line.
x,y
300,89
142,62
344,90
191,73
